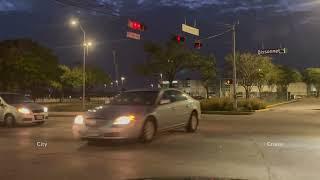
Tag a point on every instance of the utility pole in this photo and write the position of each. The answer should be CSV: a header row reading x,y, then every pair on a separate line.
x,y
115,66
220,89
235,103
84,71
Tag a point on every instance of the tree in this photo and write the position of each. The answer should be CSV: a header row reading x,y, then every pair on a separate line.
x,y
96,77
71,78
207,69
312,76
168,60
273,76
248,66
26,65
286,76
265,72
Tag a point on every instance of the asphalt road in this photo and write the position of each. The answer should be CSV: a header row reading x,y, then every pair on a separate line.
x,y
283,143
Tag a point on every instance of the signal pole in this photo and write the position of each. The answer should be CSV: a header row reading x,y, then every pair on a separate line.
x,y
235,103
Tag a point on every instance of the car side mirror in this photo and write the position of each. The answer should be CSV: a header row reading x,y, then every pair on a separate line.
x,y
164,101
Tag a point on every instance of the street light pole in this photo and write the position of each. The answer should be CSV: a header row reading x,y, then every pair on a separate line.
x,y
115,66
85,45
84,69
220,89
235,103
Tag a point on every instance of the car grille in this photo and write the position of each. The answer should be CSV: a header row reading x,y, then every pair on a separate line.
x,y
95,122
38,111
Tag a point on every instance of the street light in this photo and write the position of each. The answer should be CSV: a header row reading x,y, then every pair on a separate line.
x,y
117,82
122,80
87,45
75,22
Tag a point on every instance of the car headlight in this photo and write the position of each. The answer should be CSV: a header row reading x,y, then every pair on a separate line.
x,y
45,109
79,120
99,107
24,110
124,120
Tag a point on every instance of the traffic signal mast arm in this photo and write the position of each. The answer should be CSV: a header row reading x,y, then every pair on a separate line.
x,y
198,43
216,35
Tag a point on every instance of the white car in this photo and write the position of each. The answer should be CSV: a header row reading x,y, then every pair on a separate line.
x,y
139,114
17,109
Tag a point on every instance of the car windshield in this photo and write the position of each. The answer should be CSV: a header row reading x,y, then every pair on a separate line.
x,y
15,98
135,98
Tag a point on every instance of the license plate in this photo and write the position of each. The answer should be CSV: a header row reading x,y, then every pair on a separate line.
x,y
38,117
94,134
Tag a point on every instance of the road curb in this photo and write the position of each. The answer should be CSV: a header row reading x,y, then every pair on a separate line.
x,y
282,103
268,108
263,110
227,112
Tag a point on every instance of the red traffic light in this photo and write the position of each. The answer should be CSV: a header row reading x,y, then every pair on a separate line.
x,y
197,45
179,38
136,25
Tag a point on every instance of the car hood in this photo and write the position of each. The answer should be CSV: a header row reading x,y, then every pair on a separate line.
x,y
31,106
111,112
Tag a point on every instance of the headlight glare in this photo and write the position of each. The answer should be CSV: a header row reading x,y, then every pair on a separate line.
x,y
79,120
99,107
124,120
24,110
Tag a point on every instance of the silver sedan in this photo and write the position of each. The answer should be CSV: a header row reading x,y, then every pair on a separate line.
x,y
139,114
17,109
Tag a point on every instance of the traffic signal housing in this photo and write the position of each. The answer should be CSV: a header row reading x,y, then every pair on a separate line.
x,y
197,45
179,38
135,25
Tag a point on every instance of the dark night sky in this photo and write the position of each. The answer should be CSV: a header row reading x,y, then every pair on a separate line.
x,y
293,23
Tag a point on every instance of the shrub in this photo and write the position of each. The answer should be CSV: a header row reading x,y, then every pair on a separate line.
x,y
253,104
226,104
216,104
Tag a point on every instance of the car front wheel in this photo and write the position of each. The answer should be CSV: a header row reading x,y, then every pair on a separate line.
x,y
193,123
9,121
148,131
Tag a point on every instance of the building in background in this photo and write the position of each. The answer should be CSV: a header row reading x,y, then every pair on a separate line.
x,y
196,88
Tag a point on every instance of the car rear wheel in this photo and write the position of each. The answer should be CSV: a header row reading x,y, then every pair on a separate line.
x,y
193,123
9,121
148,131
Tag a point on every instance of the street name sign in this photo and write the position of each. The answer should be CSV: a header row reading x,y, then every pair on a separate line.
x,y
133,35
273,51
190,30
